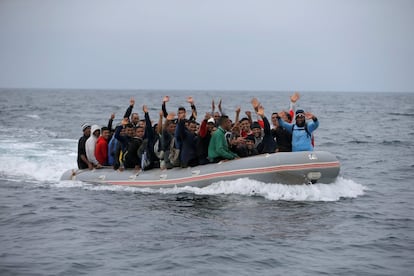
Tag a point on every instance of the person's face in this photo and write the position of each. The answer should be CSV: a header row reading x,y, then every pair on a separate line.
x,y
216,116
275,122
210,127
135,118
181,113
97,133
139,132
257,131
227,124
300,119
141,124
87,132
249,144
192,127
130,131
105,134
171,128
245,126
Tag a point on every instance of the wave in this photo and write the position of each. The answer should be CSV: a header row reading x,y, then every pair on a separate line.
x,y
340,189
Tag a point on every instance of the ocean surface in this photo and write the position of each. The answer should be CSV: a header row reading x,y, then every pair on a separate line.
x,y
363,224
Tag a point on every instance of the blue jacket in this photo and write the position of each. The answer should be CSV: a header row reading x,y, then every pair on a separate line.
x,y
301,140
111,150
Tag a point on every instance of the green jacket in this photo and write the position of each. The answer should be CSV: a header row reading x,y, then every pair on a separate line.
x,y
218,146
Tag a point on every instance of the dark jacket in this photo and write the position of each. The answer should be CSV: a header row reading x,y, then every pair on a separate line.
x,y
268,144
81,150
188,155
283,139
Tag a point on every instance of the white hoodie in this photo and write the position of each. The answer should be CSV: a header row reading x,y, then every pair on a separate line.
x,y
91,144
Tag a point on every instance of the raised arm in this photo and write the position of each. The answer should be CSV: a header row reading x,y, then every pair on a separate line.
x,y
193,116
149,131
110,121
159,125
164,108
237,117
129,109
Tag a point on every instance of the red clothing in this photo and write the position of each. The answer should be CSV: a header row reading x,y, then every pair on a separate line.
x,y
101,151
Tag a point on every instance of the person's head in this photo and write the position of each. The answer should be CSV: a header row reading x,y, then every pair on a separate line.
x,y
181,112
225,123
249,140
139,132
211,123
192,126
95,130
275,121
134,118
300,118
142,123
105,133
256,129
216,116
129,130
170,126
86,128
245,125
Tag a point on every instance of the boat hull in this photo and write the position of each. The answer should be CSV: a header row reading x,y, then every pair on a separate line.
x,y
284,167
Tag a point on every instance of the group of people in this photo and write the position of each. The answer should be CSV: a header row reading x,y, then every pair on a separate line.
x,y
175,141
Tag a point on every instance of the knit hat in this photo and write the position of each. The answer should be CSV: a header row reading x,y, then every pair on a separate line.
x,y
85,126
255,125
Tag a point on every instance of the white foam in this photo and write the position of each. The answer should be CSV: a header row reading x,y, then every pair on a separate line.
x,y
341,188
40,161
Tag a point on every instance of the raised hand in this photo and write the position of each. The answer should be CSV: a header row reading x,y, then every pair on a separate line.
x,y
294,97
309,115
125,121
112,116
255,103
260,111
166,99
238,110
145,108
190,100
248,114
132,101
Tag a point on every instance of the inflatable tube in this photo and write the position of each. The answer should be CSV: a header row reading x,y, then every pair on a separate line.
x,y
285,167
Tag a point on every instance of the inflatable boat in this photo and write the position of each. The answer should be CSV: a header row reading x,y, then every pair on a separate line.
x,y
285,167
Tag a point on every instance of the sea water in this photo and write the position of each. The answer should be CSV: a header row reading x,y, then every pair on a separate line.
x,y
362,224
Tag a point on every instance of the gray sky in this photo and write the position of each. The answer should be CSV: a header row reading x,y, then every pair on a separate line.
x,y
305,45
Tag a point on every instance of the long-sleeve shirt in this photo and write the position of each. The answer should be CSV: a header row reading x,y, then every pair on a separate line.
x,y
218,147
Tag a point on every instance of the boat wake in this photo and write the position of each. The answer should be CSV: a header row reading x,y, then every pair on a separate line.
x,y
342,188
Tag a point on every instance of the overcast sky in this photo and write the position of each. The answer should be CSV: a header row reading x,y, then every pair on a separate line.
x,y
305,45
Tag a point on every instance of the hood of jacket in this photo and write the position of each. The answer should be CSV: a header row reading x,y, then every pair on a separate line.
x,y
94,128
